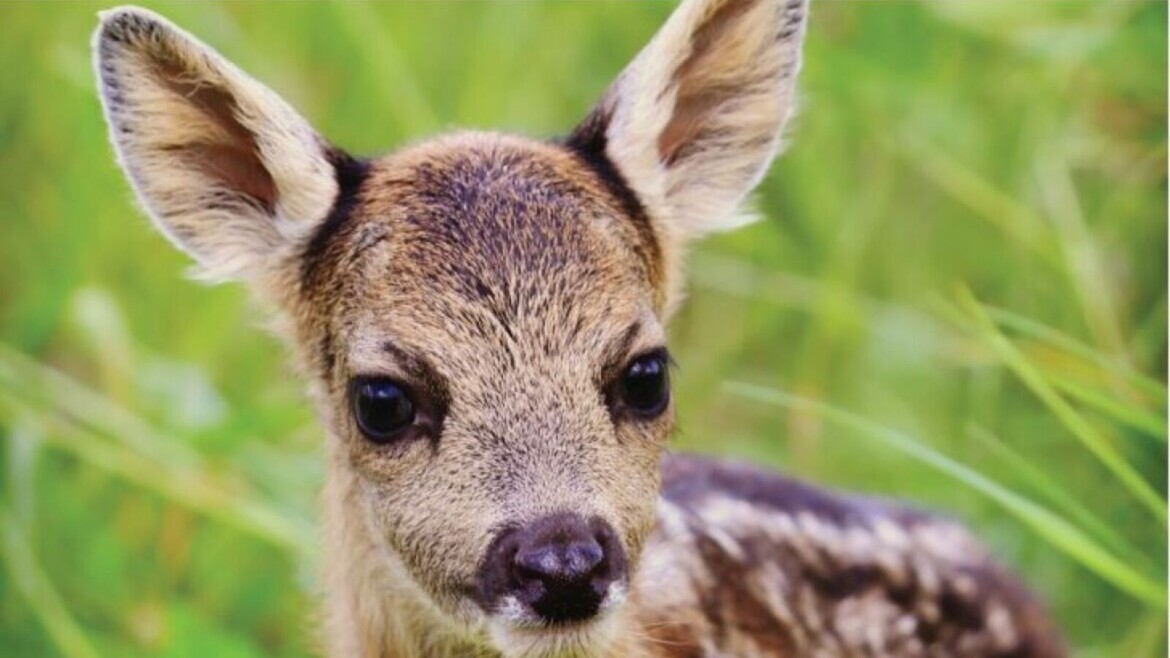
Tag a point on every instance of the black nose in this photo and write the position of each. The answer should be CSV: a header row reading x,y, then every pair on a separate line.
x,y
560,567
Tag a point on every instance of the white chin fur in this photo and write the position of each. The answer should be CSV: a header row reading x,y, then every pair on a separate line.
x,y
516,632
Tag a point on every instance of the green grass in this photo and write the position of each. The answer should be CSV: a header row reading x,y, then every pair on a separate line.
x,y
957,296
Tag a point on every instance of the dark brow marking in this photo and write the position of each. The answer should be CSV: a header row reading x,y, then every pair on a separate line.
x,y
423,378
414,366
325,350
616,354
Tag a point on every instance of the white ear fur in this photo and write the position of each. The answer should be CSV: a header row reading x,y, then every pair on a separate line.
x,y
227,169
694,121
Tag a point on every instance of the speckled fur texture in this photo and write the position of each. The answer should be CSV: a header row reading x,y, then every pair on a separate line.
x,y
508,282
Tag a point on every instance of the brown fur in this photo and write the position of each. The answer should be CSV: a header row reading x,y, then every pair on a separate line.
x,y
507,283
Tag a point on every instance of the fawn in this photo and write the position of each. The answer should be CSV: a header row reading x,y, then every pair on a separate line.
x,y
481,321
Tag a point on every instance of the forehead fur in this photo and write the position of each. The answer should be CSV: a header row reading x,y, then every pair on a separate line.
x,y
525,232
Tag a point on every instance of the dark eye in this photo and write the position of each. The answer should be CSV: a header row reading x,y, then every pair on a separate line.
x,y
381,408
644,387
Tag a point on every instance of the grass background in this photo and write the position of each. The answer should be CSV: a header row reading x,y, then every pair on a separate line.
x,y
957,296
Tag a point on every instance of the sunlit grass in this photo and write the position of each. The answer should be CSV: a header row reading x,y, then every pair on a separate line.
x,y
33,586
161,467
1076,424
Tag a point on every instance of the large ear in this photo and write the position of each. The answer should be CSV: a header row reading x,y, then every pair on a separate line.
x,y
694,121
228,170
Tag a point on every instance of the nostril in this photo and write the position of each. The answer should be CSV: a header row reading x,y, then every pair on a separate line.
x,y
560,562
539,562
583,557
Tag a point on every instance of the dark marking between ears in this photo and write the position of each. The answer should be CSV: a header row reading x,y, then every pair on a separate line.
x,y
350,173
588,143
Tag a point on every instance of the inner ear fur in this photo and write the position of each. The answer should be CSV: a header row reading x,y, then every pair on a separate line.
x,y
694,121
227,169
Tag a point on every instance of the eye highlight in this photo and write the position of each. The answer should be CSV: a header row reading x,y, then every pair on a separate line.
x,y
644,386
382,409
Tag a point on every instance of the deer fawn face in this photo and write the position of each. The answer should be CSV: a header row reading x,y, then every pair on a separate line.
x,y
490,352
481,316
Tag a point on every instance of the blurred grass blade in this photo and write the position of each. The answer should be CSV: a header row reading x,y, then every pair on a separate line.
x,y
22,451
1083,263
1147,638
1058,496
101,325
1147,423
1073,421
98,430
190,487
1147,386
43,387
43,599
738,278
1058,532
408,108
1144,405
1021,224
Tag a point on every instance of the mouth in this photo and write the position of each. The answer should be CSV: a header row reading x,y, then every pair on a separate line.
x,y
517,634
